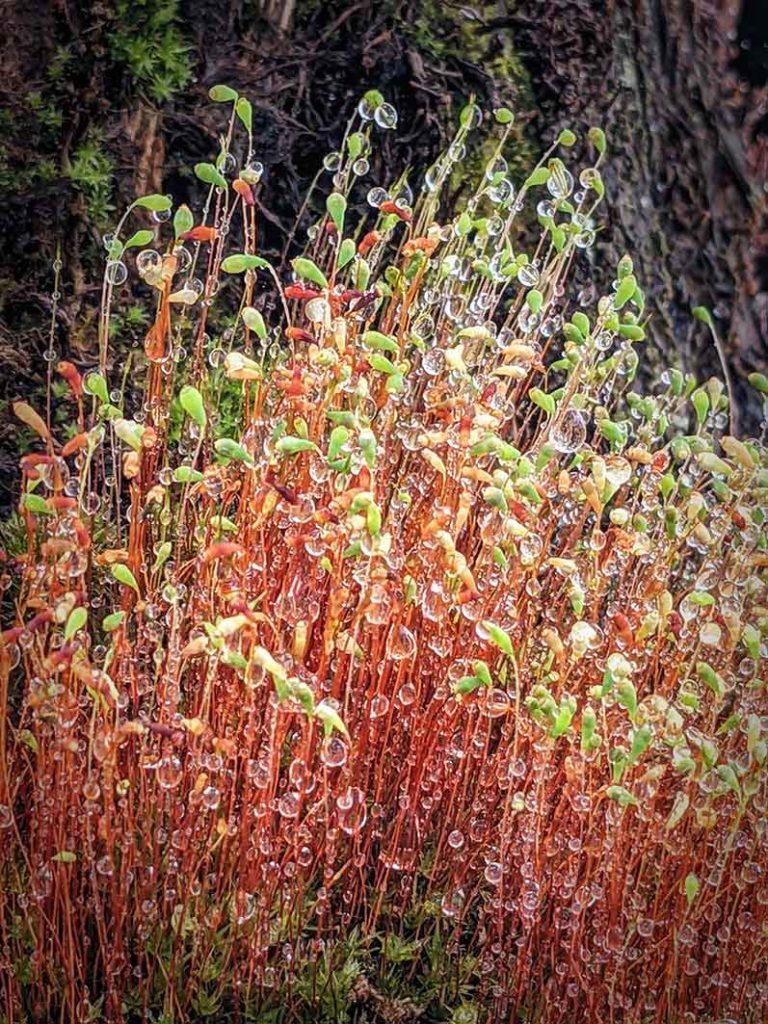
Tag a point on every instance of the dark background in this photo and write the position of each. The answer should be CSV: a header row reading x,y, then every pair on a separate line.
x,y
103,101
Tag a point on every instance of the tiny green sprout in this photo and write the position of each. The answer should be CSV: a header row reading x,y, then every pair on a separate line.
x,y
622,796
139,239
563,718
330,718
710,678
192,403
244,112
129,432
567,138
308,270
347,251
539,177
499,638
187,475
210,175
230,449
597,137
295,445
383,342
124,575
690,888
162,556
254,321
625,291
77,619
112,622
222,94
336,205
237,263
64,857
503,115
95,385
35,504
703,314
156,202
759,381
183,220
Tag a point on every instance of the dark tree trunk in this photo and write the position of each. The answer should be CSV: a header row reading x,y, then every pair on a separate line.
x,y
681,88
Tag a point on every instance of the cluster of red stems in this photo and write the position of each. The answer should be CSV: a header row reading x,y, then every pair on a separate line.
x,y
457,641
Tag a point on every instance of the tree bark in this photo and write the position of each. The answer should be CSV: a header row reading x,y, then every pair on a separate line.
x,y
680,86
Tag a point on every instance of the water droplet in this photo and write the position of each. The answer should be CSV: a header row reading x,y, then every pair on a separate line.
x,y
452,903
385,116
116,272
351,810
333,752
569,432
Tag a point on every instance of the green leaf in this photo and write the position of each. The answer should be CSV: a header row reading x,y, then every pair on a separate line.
x,y
503,115
183,220
701,598
534,300
187,475
691,887
96,385
381,363
538,177
309,271
124,575
210,175
566,138
29,739
295,445
241,261
155,202
64,857
467,684
129,432
330,718
383,342
192,403
339,437
336,205
113,622
543,400
622,796
244,111
640,743
139,238
355,144
77,619
625,291
500,638
597,138
36,505
702,313
346,252
254,321
222,94
232,450
710,678
759,381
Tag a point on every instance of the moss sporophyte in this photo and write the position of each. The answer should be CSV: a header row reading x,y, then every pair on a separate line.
x,y
390,639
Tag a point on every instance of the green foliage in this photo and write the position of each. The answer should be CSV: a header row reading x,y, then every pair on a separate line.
x,y
148,42
92,173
